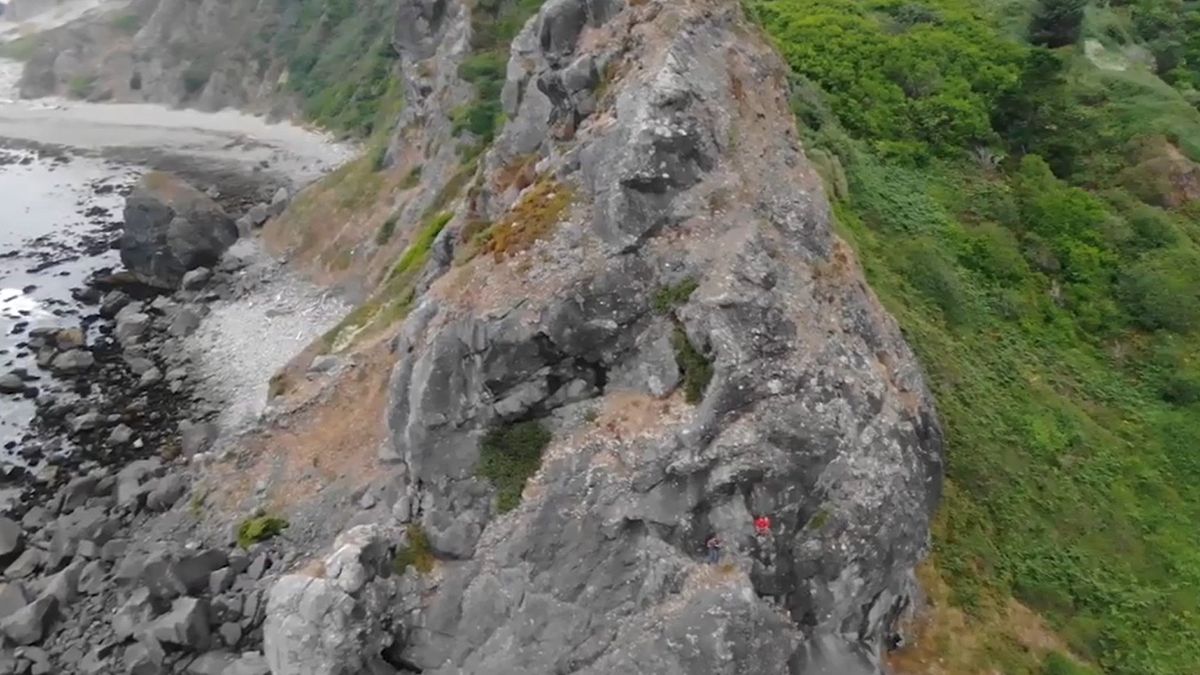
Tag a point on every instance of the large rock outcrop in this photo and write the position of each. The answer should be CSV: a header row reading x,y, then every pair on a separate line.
x,y
172,228
655,221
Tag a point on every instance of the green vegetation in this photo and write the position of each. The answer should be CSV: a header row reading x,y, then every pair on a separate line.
x,y
81,86
412,180
196,76
127,23
1018,210
384,235
670,297
696,368
20,49
340,61
417,554
508,456
260,528
530,219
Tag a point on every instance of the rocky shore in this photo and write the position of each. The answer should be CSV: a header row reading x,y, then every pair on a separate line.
x,y
105,567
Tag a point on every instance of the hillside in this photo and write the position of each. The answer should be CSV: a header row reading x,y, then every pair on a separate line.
x,y
605,256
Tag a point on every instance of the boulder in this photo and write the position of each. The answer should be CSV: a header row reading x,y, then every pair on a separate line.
x,y
196,279
258,214
73,361
185,321
137,609
250,663
131,326
113,302
171,228
145,657
12,540
279,201
13,597
28,625
11,383
69,338
185,625
196,437
165,491
212,663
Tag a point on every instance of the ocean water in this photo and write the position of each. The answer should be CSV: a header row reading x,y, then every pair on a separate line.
x,y
43,226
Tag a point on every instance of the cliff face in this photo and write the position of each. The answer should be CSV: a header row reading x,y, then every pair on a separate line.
x,y
643,270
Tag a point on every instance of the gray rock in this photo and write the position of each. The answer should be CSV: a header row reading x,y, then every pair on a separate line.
x,y
12,540
324,363
220,581
258,214
212,663
196,279
121,435
185,625
196,437
94,662
185,321
25,565
131,326
64,585
92,578
171,228
279,201
86,422
296,637
87,549
69,338
231,634
29,624
257,567
73,361
195,569
38,658
163,304
13,597
150,378
133,613
79,490
251,663
113,550
113,302
165,491
34,519
131,481
138,364
245,226
11,383
145,657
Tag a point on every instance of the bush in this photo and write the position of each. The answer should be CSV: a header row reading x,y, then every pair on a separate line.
x,y
697,370
384,235
1162,290
508,456
934,276
81,86
196,76
260,528
670,297
1057,23
418,554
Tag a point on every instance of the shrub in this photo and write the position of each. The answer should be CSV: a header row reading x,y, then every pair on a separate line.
x,y
1058,664
1162,290
508,456
384,235
670,297
127,23
260,528
697,370
935,277
532,218
196,76
1056,23
81,86
418,554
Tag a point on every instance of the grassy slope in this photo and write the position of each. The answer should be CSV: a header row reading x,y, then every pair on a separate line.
x,y
1074,478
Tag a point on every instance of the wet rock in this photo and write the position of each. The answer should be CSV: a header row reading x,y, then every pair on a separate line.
x,y
171,228
73,361
12,540
131,326
29,624
113,302
10,383
69,338
196,279
185,625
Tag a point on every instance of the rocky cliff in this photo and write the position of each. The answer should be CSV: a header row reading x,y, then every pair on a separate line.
x,y
639,289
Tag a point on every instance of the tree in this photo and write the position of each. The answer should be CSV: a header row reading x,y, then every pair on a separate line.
x,y
1056,23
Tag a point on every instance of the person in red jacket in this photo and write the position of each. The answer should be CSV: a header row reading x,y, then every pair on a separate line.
x,y
762,526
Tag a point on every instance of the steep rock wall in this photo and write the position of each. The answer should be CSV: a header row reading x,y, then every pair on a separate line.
x,y
645,213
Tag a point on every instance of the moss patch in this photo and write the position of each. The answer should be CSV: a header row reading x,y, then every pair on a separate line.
x,y
533,217
253,530
697,370
508,456
418,554
669,297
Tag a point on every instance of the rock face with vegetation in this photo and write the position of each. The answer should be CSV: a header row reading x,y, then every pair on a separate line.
x,y
649,334
172,228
